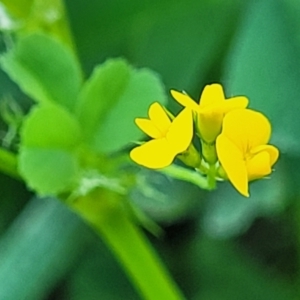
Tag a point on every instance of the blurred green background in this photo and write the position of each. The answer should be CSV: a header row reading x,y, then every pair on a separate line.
x,y
218,245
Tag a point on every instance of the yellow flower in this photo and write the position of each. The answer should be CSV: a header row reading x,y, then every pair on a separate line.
x,y
211,109
242,148
169,138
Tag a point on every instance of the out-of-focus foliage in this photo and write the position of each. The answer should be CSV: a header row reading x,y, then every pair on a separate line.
x,y
264,68
28,65
218,245
108,125
70,117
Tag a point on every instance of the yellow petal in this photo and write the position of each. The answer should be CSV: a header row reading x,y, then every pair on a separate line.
x,y
211,95
234,103
209,123
180,133
185,100
154,154
231,159
259,166
272,150
246,128
212,109
148,127
159,118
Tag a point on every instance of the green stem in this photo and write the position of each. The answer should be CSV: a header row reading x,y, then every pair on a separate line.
x,y
139,260
211,177
186,175
8,163
128,244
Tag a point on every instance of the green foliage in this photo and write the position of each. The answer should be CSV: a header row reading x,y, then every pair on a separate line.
x,y
228,214
48,171
184,41
252,46
66,119
99,94
111,99
19,8
45,230
262,64
50,126
47,160
44,69
118,127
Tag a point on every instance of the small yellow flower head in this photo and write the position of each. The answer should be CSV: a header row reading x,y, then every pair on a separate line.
x,y
211,109
169,138
242,148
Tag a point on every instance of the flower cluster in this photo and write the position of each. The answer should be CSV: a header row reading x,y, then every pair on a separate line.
x,y
234,139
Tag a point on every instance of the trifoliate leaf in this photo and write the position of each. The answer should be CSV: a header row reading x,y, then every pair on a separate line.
x,y
50,126
44,69
110,101
48,171
100,93
48,160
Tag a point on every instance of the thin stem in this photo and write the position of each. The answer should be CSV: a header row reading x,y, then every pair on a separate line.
x,y
8,163
211,177
128,244
139,260
186,175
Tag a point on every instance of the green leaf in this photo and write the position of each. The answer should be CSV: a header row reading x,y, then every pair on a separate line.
x,y
112,98
44,243
185,46
44,69
264,65
228,214
50,137
118,128
198,34
50,126
48,171
225,265
100,93
19,8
